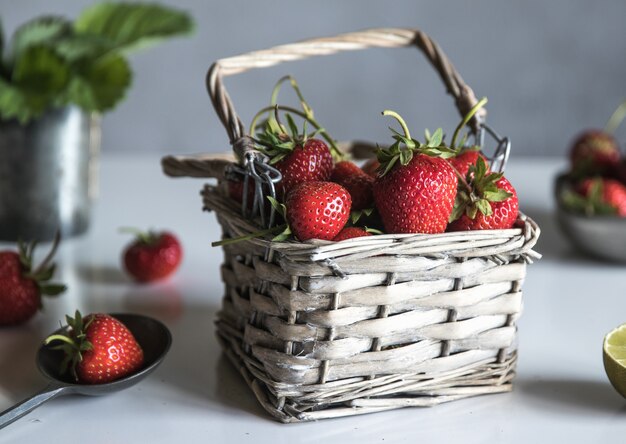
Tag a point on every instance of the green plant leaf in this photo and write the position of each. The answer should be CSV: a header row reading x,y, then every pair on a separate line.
x,y
40,31
130,25
100,85
77,47
39,70
13,103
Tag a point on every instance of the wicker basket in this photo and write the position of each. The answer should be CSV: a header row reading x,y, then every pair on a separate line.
x,y
326,329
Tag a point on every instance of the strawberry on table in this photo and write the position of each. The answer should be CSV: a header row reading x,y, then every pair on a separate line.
x,y
415,191
357,182
22,284
98,349
152,255
487,201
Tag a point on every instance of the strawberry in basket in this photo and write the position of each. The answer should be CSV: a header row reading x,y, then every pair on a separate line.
x,y
485,201
299,156
358,183
416,186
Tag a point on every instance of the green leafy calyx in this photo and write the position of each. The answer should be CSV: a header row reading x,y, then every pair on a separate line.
x,y
278,140
477,193
73,343
405,147
593,204
42,273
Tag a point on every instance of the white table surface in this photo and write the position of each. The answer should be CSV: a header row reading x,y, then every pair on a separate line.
x,y
561,392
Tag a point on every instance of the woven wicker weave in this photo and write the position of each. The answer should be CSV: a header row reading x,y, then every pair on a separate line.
x,y
327,329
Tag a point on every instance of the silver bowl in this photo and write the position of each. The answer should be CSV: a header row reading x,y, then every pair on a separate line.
x,y
603,237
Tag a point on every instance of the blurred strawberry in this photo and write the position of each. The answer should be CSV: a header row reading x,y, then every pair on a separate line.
x,y
22,284
152,255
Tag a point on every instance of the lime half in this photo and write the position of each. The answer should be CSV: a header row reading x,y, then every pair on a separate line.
x,y
614,355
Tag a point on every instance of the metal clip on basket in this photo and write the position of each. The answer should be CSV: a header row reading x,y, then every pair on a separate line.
x,y
326,329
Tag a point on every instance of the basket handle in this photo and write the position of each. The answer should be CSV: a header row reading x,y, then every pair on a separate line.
x,y
382,38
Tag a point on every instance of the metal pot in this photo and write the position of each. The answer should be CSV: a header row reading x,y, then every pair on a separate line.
x,y
48,174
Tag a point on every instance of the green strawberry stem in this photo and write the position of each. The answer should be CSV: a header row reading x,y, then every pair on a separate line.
x,y
407,134
616,118
334,149
234,240
146,237
43,265
482,102
274,100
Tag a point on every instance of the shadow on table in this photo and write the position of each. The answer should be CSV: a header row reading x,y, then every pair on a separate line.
x,y
583,396
196,364
102,274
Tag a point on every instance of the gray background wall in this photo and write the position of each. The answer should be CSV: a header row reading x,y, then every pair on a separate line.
x,y
549,68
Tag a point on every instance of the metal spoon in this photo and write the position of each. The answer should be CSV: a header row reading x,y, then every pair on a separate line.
x,y
153,337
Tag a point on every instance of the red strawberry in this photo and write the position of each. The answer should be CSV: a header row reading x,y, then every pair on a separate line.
x,y
462,162
318,210
415,192
99,348
490,204
21,285
308,162
10,264
351,232
371,167
152,256
594,152
357,182
605,192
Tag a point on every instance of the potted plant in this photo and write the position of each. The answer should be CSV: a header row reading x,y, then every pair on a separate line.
x,y
56,78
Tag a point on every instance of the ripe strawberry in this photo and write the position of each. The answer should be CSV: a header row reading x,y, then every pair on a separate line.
x,y
21,286
306,161
10,264
299,157
152,256
594,152
351,232
603,196
415,192
98,348
318,210
462,162
371,167
490,203
357,182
